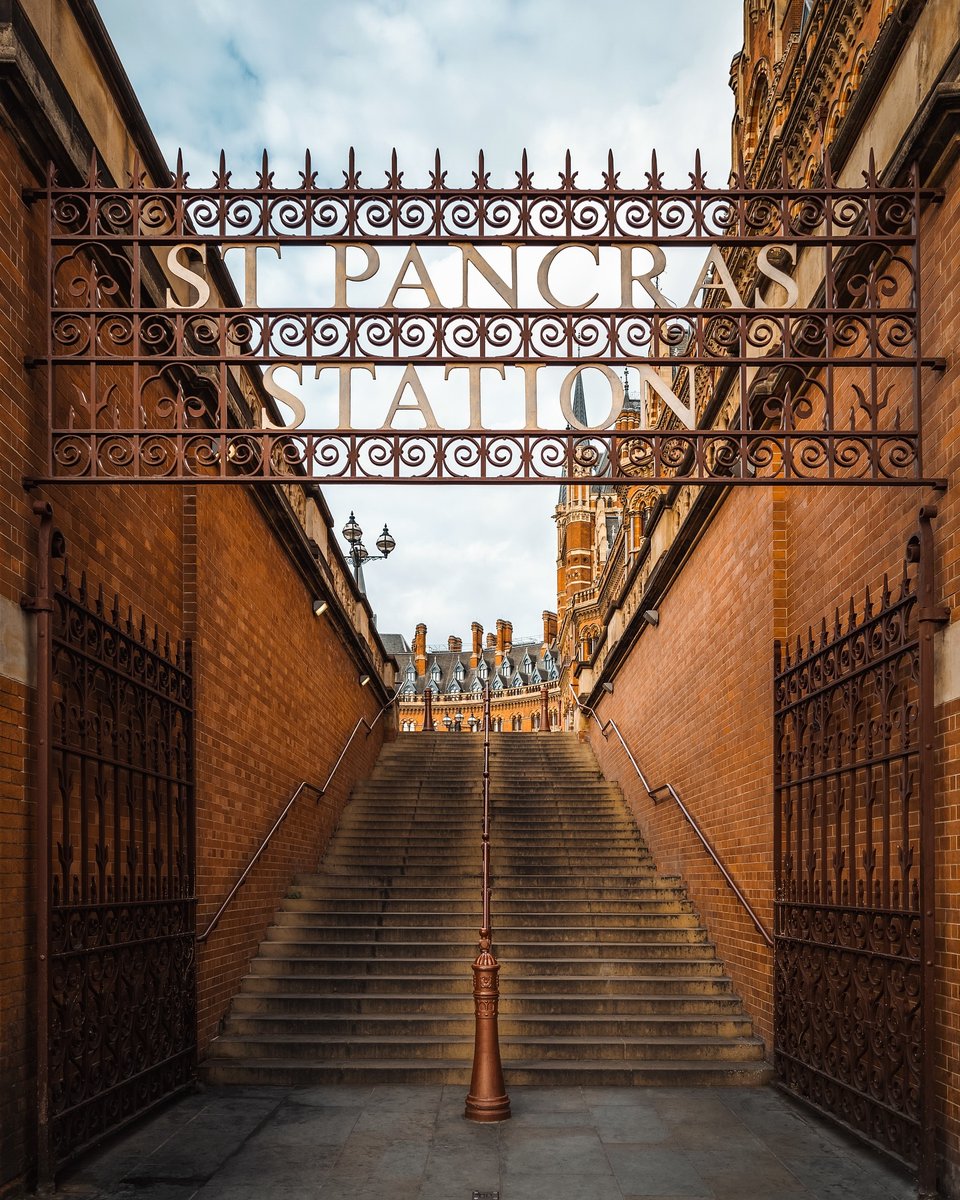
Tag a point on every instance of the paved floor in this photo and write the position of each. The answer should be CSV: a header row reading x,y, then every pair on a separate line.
x,y
412,1143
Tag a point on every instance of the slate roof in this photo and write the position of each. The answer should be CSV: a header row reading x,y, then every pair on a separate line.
x,y
396,645
449,671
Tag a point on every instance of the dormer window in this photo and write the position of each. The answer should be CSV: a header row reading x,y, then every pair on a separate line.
x,y
459,671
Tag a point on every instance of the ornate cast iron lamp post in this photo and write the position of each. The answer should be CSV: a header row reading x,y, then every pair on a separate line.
x,y
358,552
487,1099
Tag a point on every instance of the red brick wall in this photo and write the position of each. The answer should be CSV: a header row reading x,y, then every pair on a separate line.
x,y
277,697
693,702
277,690
695,694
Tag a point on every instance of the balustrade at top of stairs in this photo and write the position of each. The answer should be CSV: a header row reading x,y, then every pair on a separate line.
x,y
607,975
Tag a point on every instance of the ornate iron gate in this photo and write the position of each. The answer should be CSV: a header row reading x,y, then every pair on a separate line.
x,y
121,1003
853,848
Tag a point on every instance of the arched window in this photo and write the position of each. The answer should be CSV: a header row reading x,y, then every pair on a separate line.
x,y
536,722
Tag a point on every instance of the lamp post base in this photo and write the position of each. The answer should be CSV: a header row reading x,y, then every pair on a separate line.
x,y
487,1099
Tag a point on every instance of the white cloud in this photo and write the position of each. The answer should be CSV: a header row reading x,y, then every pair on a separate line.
x,y
419,74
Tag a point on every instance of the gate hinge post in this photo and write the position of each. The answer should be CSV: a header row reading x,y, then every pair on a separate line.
x,y
31,604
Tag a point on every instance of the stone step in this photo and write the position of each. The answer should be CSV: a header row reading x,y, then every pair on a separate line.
x,y
516,911
563,1027
399,888
279,958
513,940
722,1006
322,1047
458,981
420,942
268,1072
394,929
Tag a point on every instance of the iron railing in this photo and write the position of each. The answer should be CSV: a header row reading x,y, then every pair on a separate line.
x,y
303,786
660,793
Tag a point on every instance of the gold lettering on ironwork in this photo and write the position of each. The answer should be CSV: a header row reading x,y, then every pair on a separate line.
x,y
182,271
250,266
714,269
530,393
645,279
294,403
345,389
412,381
414,259
616,396
473,395
340,276
543,274
766,268
652,377
472,257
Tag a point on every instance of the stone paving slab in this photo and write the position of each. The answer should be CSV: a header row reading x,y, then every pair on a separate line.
x,y
412,1143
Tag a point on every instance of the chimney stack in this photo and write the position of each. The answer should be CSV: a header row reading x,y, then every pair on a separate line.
x,y
420,649
549,627
454,644
491,640
504,641
476,632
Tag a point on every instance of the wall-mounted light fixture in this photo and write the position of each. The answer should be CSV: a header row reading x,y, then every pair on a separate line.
x,y
607,687
652,616
320,607
364,680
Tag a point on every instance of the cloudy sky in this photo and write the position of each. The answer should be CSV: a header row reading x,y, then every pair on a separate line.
x,y
461,75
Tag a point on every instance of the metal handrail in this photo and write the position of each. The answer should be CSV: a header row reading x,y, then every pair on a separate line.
x,y
657,794
303,786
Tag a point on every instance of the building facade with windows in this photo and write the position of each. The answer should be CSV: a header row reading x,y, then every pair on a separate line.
x,y
523,678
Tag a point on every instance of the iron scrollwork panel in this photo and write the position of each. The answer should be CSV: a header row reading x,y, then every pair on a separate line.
x,y
848,987
122,1032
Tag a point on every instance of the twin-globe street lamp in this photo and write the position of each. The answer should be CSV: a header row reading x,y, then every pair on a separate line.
x,y
358,552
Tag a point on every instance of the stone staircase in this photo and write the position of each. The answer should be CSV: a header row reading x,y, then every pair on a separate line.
x,y
607,976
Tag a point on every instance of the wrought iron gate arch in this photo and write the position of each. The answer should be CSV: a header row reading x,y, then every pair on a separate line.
x,y
107,328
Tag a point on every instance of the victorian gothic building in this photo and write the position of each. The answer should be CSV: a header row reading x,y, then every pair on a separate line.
x,y
522,676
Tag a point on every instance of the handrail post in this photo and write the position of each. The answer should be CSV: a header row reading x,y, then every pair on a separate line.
x,y
487,1099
